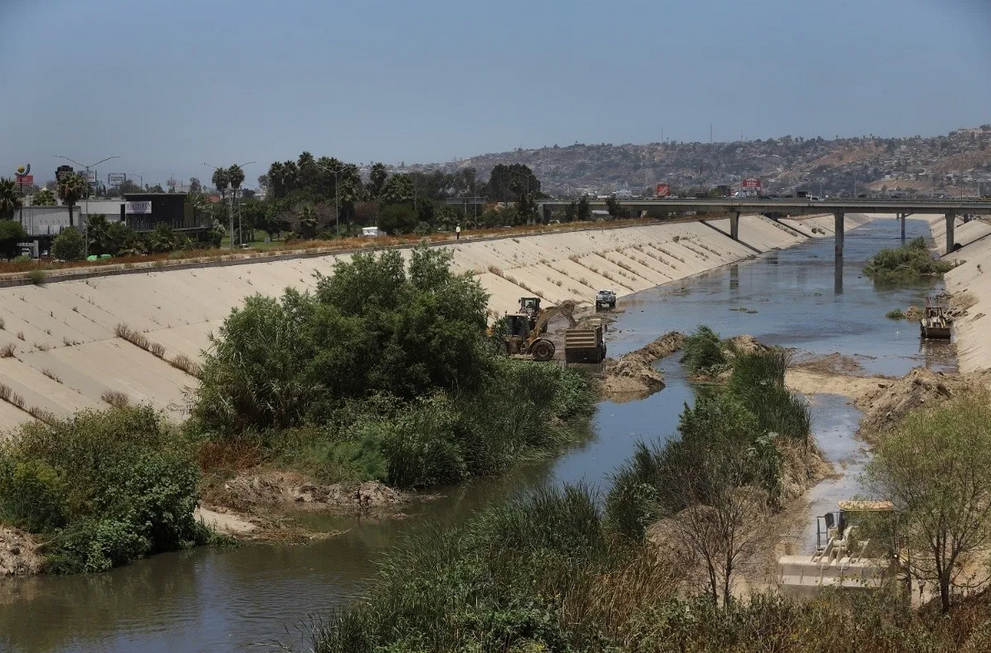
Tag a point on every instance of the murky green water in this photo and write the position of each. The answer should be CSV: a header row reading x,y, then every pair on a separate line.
x,y
225,600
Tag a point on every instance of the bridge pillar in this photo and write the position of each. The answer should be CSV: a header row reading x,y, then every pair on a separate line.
x,y
901,218
544,211
950,224
734,225
840,233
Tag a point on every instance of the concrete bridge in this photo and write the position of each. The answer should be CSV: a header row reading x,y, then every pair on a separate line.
x,y
735,207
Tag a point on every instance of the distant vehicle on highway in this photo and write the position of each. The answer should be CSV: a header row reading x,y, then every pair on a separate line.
x,y
815,198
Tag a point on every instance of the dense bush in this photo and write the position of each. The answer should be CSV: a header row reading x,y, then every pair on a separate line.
x,y
11,233
372,327
69,245
542,573
758,380
523,411
102,488
703,352
910,261
384,373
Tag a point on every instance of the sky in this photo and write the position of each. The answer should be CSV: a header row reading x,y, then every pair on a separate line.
x,y
168,86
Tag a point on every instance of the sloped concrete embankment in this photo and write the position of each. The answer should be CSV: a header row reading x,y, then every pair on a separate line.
x,y
970,285
65,355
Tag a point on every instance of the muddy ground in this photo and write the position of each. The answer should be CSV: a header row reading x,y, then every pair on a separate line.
x,y
19,554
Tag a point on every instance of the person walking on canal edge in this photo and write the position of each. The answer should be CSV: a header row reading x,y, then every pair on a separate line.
x,y
457,232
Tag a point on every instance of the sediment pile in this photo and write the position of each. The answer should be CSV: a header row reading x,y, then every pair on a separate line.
x,y
249,493
18,553
889,403
633,376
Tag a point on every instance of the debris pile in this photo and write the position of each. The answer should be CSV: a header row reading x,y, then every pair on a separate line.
x,y
633,376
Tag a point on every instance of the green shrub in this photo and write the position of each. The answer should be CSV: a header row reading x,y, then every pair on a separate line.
x,y
102,488
37,277
32,494
758,380
69,245
910,261
703,352
895,314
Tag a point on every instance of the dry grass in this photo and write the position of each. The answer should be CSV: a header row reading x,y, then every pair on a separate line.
x,y
51,375
116,398
186,364
42,346
20,336
7,351
139,339
41,414
11,397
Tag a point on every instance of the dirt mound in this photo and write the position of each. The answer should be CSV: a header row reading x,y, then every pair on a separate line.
x,y
746,344
18,553
247,493
801,469
633,376
835,363
887,405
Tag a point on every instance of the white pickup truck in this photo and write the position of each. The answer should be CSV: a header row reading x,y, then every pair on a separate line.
x,y
605,299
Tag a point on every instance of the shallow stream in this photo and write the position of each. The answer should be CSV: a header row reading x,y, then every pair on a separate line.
x,y
225,600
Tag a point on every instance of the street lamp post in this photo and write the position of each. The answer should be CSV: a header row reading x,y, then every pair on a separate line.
x,y
337,198
83,165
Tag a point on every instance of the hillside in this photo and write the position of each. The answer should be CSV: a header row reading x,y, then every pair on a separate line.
x,y
955,164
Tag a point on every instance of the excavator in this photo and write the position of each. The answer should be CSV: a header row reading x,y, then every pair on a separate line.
x,y
524,329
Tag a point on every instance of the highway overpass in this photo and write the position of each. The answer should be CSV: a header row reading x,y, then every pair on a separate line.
x,y
735,207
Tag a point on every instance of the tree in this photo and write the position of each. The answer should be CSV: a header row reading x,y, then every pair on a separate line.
x,y
112,238
399,189
195,187
235,177
615,209
584,211
935,467
221,180
375,326
10,199
71,188
377,179
11,233
44,197
571,212
69,245
157,188
397,218
507,183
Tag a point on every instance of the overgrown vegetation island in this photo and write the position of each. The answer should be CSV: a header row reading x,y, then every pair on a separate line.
x,y
383,373
910,262
652,567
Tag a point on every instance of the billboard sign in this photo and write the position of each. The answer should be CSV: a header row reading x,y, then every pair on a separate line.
x,y
25,180
89,176
751,183
116,178
663,190
138,208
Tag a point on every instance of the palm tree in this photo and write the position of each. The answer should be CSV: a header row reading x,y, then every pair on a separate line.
x,y
71,188
221,181
10,201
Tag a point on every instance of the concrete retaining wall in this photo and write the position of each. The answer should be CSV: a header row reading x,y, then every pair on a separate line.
x,y
68,358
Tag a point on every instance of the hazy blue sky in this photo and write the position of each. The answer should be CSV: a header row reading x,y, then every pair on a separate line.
x,y
169,85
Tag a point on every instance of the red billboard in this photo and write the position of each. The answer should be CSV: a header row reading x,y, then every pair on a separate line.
x,y
751,183
25,180
663,190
